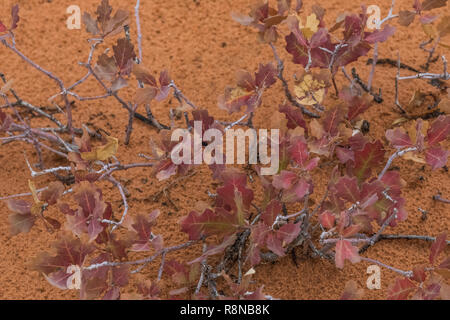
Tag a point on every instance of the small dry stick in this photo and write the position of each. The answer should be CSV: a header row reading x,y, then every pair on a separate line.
x,y
439,198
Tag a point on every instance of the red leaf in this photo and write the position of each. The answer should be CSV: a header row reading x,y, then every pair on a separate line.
x,y
297,49
344,155
345,250
120,275
87,195
445,264
426,19
357,142
69,251
271,212
106,68
90,23
298,192
213,250
398,138
235,98
428,292
103,12
275,245
266,76
419,274
351,291
356,104
433,4
21,223
298,150
112,294
380,36
406,17
124,55
327,219
319,38
351,53
350,231
294,116
19,206
370,157
52,193
15,16
401,289
347,189
438,246
143,226
209,223
439,130
284,180
332,119
436,157
3,27
288,232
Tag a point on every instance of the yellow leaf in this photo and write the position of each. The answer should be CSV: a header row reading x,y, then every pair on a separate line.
x,y
297,132
413,132
399,120
184,107
104,152
316,129
312,24
33,191
429,30
157,152
36,208
310,91
412,156
417,99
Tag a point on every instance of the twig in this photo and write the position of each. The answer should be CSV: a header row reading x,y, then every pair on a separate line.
x,y
22,194
397,100
407,237
399,153
202,275
407,274
439,198
286,86
124,199
392,63
180,96
161,266
376,96
141,261
138,25
51,76
46,171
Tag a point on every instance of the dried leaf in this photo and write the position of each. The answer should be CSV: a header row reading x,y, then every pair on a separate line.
x,y
104,152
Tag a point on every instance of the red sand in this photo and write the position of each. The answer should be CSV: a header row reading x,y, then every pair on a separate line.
x,y
202,47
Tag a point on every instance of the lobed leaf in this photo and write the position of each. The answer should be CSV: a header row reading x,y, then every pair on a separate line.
x,y
346,251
